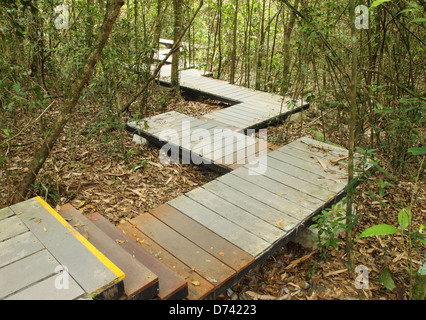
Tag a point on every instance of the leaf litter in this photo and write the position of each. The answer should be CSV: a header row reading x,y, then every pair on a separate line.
x,y
87,169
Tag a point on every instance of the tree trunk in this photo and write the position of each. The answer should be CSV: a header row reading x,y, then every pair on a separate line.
x,y
234,45
288,29
260,50
66,112
352,128
177,30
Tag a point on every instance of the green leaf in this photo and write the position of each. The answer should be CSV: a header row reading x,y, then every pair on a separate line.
x,y
418,20
404,218
378,3
386,279
146,126
378,230
6,132
417,151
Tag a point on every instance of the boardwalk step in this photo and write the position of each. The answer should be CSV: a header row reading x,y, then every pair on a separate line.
x,y
171,285
139,282
209,263
41,255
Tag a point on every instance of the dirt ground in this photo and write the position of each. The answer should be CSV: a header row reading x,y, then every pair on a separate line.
x,y
97,167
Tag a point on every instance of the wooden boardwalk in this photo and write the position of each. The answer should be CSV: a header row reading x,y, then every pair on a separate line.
x,y
43,257
215,234
200,142
251,109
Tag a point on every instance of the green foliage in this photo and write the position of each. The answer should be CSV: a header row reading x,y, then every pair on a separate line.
x,y
328,224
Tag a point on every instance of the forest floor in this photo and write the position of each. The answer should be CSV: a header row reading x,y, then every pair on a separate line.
x,y
97,167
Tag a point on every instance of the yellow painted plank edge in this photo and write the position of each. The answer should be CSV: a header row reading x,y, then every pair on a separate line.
x,y
108,263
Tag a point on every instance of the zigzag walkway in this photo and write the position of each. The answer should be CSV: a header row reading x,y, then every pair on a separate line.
x,y
215,234
250,109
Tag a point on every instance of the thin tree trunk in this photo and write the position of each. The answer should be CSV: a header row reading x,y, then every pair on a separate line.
x,y
286,47
234,45
352,128
260,51
178,19
66,112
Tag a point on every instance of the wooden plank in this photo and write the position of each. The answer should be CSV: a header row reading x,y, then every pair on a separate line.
x,y
280,189
322,151
218,247
18,247
228,230
221,124
294,210
229,120
6,213
202,84
224,114
96,273
246,94
245,114
328,184
11,227
300,159
305,187
171,285
310,166
235,214
247,154
254,113
192,255
255,207
223,142
140,282
165,257
252,110
45,290
260,107
26,271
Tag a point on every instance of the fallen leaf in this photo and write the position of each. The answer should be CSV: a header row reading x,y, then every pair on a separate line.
x,y
221,254
44,229
322,164
280,224
196,283
332,273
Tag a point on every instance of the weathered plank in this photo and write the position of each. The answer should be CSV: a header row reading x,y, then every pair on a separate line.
x,y
96,273
255,207
27,271
333,185
279,189
293,209
46,290
6,213
171,285
192,255
230,231
217,246
165,257
235,214
18,247
140,282
11,227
